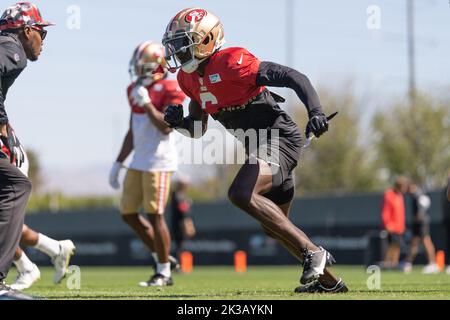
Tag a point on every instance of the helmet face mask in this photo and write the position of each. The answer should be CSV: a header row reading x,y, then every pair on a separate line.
x,y
142,70
180,51
191,37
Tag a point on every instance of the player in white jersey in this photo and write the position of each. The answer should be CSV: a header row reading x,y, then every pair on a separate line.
x,y
147,181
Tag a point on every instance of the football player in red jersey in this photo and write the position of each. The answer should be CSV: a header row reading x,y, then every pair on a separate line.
x,y
147,182
230,85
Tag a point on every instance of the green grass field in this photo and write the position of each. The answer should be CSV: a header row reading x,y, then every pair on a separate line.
x,y
258,283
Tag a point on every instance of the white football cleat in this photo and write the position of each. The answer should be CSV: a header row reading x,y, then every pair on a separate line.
x,y
61,261
24,280
430,269
407,267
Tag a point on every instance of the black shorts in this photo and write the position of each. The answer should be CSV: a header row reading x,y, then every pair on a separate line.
x,y
289,149
282,152
420,229
394,238
279,145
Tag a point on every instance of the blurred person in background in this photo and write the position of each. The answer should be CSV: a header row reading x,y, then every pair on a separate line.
x,y
147,181
22,36
393,220
182,224
420,231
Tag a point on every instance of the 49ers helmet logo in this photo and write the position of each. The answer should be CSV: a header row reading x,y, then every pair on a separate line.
x,y
195,15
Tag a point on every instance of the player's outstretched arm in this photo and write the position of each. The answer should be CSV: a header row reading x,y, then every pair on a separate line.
x,y
276,75
193,126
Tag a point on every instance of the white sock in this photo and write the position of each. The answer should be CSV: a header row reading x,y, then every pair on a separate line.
x,y
48,245
163,268
155,256
23,264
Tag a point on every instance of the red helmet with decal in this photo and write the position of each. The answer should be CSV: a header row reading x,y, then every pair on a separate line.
x,y
22,14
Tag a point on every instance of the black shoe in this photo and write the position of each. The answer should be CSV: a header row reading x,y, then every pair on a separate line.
x,y
158,280
317,287
6,293
314,262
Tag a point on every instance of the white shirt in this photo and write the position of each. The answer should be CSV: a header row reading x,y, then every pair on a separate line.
x,y
153,150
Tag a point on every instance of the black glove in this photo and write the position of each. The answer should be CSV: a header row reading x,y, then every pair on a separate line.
x,y
174,116
317,125
11,146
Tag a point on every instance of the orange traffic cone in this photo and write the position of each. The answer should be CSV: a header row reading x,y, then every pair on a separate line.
x,y
240,261
187,262
440,260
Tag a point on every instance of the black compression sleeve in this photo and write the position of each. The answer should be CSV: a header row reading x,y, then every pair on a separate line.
x,y
275,75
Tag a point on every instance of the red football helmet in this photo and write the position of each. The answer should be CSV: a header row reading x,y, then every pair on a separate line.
x,y
22,14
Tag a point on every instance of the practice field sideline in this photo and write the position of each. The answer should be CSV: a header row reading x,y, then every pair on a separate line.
x,y
258,283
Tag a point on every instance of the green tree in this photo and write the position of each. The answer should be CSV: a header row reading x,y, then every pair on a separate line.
x,y
415,139
337,161
34,170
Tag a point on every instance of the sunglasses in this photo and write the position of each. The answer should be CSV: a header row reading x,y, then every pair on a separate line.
x,y
42,32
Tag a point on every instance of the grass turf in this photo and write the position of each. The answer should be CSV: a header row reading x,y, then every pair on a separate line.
x,y
258,283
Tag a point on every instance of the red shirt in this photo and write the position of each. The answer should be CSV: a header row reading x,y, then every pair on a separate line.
x,y
161,92
229,80
393,212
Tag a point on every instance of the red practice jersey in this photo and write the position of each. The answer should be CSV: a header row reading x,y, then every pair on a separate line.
x,y
229,80
393,212
162,93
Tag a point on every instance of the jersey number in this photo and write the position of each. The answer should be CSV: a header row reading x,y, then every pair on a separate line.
x,y
206,97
